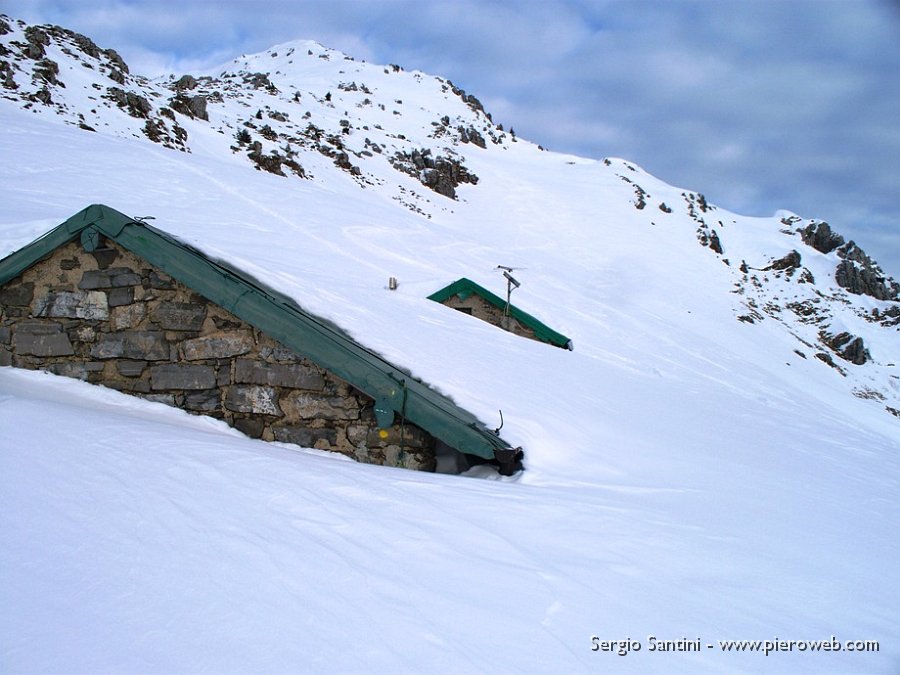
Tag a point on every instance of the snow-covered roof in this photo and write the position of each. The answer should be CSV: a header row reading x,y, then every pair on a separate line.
x,y
392,387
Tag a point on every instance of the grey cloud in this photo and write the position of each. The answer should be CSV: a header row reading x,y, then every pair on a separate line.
x,y
760,105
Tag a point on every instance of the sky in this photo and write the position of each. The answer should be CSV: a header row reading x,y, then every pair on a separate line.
x,y
761,106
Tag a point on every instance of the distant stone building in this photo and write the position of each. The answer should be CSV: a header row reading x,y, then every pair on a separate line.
x,y
468,297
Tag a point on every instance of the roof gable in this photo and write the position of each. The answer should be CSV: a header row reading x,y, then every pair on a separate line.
x,y
394,389
466,287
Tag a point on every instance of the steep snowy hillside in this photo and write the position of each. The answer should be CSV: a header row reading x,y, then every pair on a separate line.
x,y
716,459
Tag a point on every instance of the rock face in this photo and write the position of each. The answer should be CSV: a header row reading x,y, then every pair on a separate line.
x,y
848,347
820,237
857,272
861,275
441,174
131,327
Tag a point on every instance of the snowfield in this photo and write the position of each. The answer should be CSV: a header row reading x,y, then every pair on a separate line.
x,y
689,475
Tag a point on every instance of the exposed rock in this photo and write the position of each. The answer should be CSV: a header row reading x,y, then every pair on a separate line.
x,y
863,279
789,262
186,82
135,104
47,70
861,275
847,346
471,135
86,45
190,106
820,237
441,174
37,40
6,75
116,60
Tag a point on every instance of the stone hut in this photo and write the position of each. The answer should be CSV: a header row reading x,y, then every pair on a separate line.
x,y
111,300
466,296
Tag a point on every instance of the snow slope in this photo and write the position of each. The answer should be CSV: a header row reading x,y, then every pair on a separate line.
x,y
689,474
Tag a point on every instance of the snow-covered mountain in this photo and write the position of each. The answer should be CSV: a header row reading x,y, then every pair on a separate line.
x,y
716,459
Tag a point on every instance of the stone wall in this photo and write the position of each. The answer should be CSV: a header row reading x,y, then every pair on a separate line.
x,y
480,308
109,318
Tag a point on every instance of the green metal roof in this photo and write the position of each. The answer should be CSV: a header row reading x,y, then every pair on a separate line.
x,y
279,316
466,287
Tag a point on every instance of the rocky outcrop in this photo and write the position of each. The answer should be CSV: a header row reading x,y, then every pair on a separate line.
x,y
856,272
847,346
861,275
190,106
820,236
441,174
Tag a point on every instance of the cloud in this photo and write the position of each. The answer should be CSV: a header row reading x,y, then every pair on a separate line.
x,y
760,105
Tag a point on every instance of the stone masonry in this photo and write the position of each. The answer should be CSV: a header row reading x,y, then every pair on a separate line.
x,y
480,308
109,318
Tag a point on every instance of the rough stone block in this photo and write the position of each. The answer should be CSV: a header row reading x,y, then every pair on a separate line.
x,y
296,376
121,296
127,316
76,370
302,405
306,437
5,357
279,352
41,339
130,386
160,281
38,327
179,316
94,280
221,346
131,368
182,376
89,305
123,276
251,426
253,398
19,295
5,335
113,277
168,399
205,400
139,345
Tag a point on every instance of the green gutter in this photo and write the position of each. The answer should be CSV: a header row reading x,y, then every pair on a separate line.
x,y
279,316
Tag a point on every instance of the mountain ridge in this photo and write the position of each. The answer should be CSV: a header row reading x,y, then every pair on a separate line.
x,y
304,112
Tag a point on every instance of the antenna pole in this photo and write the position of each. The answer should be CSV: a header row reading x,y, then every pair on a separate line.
x,y
510,282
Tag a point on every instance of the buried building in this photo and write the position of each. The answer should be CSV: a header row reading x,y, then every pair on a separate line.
x,y
464,295
111,300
